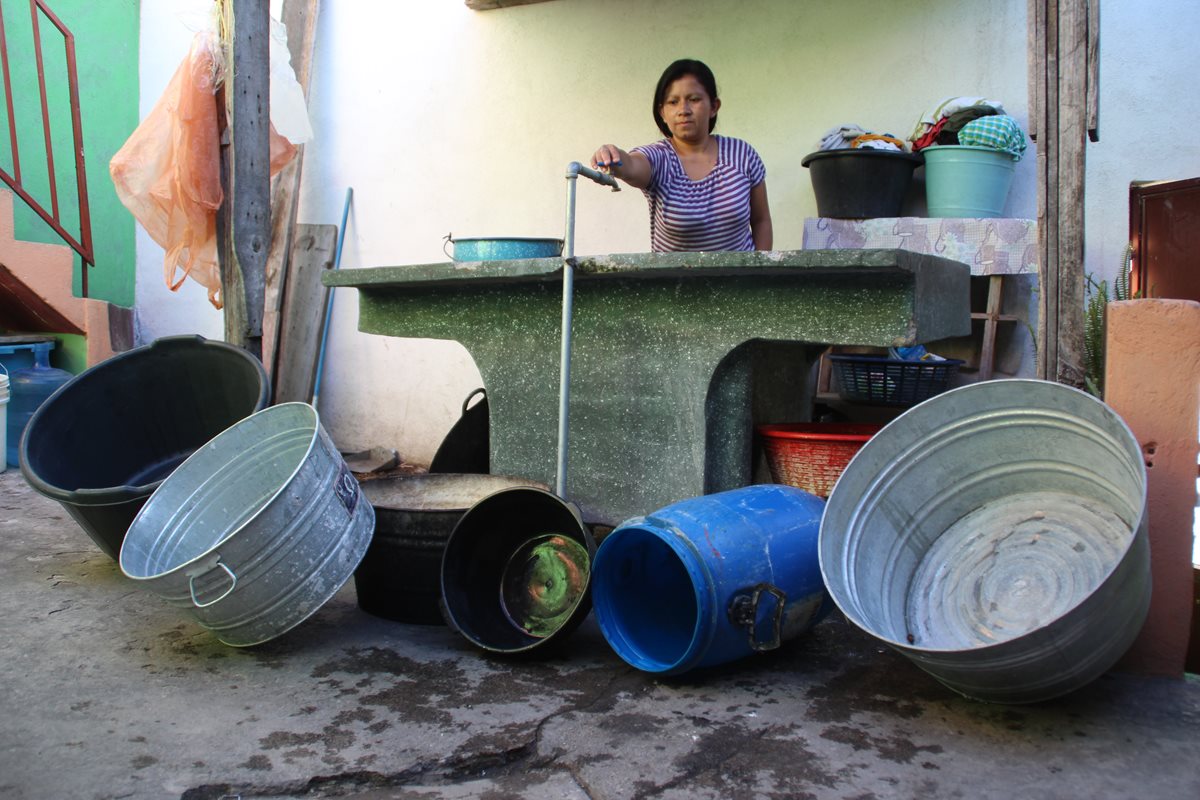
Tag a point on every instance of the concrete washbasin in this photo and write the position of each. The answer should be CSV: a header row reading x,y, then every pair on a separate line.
x,y
677,356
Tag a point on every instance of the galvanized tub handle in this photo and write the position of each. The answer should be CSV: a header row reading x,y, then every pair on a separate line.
x,y
448,240
204,571
743,610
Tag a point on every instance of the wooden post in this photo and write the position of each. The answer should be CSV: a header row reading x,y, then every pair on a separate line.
x,y
1063,46
244,221
300,19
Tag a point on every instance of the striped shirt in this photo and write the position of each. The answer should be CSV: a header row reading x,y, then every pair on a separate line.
x,y
712,213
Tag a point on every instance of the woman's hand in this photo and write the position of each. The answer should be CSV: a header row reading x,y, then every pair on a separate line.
x,y
633,168
609,158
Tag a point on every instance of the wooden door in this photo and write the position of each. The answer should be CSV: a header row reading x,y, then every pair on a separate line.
x,y
1164,227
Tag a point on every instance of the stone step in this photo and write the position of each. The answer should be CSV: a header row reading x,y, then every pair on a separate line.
x,y
36,294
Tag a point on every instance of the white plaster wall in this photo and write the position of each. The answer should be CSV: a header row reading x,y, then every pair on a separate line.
x,y
447,120
167,28
443,119
1149,107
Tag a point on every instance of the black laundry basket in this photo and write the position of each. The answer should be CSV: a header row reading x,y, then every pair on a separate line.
x,y
104,442
879,380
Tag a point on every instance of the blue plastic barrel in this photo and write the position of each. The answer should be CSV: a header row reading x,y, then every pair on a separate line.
x,y
30,388
712,579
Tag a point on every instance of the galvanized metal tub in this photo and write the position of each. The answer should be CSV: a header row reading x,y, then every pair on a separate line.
x,y
256,530
996,535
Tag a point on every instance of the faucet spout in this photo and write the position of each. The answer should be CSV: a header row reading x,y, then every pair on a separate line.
x,y
575,168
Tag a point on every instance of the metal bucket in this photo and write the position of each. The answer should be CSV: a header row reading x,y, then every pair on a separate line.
x,y
256,530
502,248
996,535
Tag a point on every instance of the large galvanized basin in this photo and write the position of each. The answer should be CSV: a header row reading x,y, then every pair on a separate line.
x,y
996,535
256,530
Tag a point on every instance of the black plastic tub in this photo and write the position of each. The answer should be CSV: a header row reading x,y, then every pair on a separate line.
x,y
516,574
860,183
400,576
466,446
104,441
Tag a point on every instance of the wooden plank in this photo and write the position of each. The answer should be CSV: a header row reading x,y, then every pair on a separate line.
x,y
987,353
300,19
1062,130
247,228
303,309
233,296
1072,139
1047,161
1093,70
1035,59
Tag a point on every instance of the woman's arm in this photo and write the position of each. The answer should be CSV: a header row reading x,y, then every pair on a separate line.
x,y
760,218
633,168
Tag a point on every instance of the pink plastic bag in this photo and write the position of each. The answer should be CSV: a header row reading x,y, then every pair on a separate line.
x,y
168,173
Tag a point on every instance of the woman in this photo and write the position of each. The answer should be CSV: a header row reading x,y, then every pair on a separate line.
x,y
706,192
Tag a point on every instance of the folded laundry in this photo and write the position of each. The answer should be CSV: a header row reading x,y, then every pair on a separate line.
x,y
999,132
878,141
840,138
945,108
956,121
930,137
849,136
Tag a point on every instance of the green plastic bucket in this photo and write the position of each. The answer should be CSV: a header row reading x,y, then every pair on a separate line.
x,y
962,181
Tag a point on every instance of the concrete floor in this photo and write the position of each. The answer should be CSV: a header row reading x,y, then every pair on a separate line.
x,y
107,692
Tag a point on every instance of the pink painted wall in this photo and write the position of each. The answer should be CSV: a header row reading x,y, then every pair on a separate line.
x,y
1152,379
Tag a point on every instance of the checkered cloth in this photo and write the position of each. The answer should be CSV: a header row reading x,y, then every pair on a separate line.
x,y
998,131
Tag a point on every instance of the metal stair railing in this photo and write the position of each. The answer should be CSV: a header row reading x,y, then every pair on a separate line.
x,y
83,244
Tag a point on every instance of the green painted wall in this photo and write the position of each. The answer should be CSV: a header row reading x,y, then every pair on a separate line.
x,y
70,353
106,54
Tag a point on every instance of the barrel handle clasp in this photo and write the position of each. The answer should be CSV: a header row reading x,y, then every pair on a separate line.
x,y
743,611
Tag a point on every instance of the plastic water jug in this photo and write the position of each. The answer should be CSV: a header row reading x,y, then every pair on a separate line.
x,y
3,419
29,388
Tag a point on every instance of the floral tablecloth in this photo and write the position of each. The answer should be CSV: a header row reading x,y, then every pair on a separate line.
x,y
988,246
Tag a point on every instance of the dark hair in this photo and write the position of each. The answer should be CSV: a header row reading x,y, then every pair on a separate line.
x,y
683,67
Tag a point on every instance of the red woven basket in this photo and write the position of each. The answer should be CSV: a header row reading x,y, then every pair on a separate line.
x,y
812,455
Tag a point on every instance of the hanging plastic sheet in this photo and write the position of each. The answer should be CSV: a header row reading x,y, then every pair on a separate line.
x,y
168,172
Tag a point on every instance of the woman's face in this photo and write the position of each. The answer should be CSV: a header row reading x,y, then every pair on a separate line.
x,y
687,109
